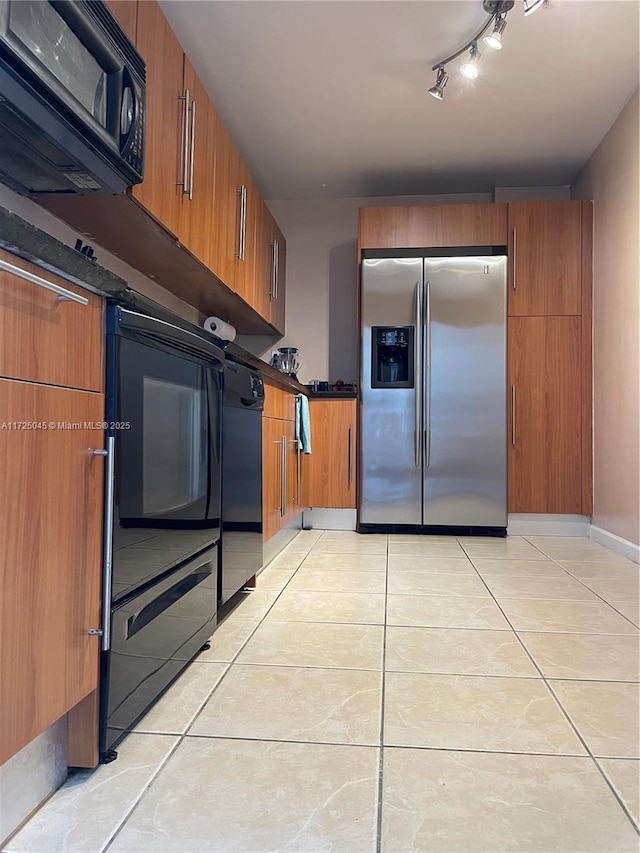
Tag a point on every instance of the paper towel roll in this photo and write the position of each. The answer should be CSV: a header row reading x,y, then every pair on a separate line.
x,y
218,327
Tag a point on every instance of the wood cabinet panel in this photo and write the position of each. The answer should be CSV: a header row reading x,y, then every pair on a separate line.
x,y
587,358
545,249
263,260
195,229
279,403
272,469
50,557
126,13
278,294
545,453
165,139
330,479
433,226
226,209
46,339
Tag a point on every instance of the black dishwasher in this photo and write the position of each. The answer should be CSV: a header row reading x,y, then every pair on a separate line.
x,y
241,478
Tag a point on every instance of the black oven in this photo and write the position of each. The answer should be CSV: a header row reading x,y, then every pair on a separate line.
x,y
72,98
163,509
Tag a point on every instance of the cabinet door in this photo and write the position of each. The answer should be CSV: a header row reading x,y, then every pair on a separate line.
x,y
545,250
166,125
226,222
195,230
278,288
273,432
294,473
50,557
545,415
126,13
433,226
263,263
330,469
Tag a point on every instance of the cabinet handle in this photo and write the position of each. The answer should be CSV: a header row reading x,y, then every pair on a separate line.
x,y
276,268
299,475
349,476
283,495
64,295
192,148
185,142
272,288
107,547
513,415
513,277
243,222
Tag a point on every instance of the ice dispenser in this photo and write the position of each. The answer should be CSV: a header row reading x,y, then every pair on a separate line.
x,y
392,357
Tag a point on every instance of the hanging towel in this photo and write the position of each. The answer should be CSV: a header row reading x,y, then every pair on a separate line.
x,y
303,427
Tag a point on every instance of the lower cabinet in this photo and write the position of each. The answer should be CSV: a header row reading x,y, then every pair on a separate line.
x,y
545,414
51,497
282,490
329,471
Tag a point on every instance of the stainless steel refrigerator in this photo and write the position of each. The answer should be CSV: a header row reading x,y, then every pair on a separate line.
x,y
433,380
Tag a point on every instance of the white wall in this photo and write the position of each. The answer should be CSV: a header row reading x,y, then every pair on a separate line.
x,y
322,268
611,178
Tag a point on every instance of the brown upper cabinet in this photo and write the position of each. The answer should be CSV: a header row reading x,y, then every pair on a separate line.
x,y
277,290
197,194
545,254
435,226
126,13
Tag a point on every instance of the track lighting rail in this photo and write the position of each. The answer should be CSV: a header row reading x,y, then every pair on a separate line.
x,y
495,8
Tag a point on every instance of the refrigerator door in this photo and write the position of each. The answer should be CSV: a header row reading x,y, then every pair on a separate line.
x,y
464,400
391,422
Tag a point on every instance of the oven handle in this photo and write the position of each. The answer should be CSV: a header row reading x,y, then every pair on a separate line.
x,y
169,334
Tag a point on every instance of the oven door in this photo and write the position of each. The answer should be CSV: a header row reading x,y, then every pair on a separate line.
x,y
153,636
65,52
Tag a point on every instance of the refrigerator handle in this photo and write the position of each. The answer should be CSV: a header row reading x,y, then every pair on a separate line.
x,y
417,343
427,375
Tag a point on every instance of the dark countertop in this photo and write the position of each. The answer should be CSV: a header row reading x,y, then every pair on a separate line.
x,y
332,395
36,246
26,241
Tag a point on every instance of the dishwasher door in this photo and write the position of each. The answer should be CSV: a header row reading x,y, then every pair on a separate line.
x,y
241,478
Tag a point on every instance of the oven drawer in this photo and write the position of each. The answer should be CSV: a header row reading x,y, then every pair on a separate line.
x,y
46,336
153,637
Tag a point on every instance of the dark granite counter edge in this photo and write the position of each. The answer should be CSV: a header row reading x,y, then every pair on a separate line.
x,y
333,395
30,243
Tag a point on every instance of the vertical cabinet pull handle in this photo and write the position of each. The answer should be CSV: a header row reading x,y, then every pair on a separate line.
x,y
242,192
276,268
184,183
283,496
349,454
427,378
513,415
107,546
299,475
192,148
513,276
417,444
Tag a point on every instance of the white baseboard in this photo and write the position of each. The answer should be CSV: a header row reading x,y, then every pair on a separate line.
x,y
615,543
329,519
541,524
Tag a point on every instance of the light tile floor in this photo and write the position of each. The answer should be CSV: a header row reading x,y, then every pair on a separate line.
x,y
389,694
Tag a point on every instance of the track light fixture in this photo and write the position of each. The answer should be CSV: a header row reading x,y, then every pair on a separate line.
x,y
494,39
441,82
469,69
497,11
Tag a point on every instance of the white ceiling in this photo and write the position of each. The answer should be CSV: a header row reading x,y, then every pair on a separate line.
x,y
335,93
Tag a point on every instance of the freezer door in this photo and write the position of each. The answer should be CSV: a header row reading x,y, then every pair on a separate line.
x,y
391,418
464,400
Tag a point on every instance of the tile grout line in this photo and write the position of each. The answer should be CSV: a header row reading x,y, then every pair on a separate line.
x,y
566,715
383,678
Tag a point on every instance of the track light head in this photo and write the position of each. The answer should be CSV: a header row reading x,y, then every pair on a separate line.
x,y
531,6
470,68
441,81
494,39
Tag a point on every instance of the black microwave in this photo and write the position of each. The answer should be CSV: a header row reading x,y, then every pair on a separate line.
x,y
72,99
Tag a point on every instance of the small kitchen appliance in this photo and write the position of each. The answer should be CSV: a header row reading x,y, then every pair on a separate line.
x,y
288,360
